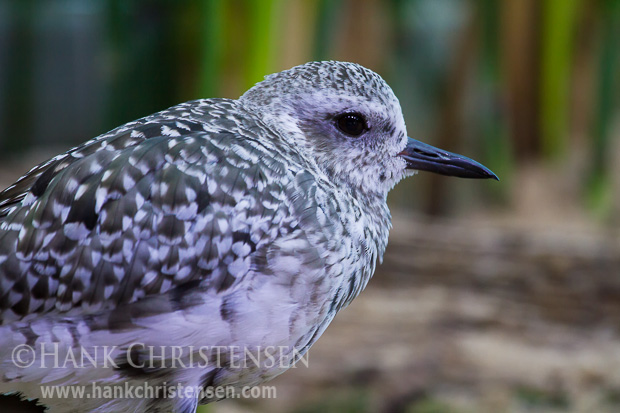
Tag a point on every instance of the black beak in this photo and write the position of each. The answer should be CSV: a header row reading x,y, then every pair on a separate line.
x,y
425,157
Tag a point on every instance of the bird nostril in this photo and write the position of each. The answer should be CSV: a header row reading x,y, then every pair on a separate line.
x,y
429,154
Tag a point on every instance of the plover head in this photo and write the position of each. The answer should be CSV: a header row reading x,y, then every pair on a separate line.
x,y
348,120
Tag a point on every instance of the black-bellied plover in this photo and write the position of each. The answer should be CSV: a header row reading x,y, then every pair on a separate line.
x,y
237,227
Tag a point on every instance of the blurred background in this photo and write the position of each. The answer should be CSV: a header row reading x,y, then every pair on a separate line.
x,y
493,296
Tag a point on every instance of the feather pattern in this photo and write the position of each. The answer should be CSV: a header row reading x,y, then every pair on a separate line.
x,y
216,222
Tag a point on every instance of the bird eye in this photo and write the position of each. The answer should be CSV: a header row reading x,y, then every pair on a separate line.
x,y
352,124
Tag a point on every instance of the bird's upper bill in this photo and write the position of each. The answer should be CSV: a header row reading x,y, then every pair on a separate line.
x,y
424,157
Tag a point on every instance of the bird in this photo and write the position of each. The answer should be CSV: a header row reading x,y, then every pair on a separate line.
x,y
234,224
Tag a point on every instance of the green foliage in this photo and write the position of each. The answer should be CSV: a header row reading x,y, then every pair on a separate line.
x,y
263,18
329,12
18,96
206,408
212,42
537,398
496,144
557,46
607,90
430,405
353,401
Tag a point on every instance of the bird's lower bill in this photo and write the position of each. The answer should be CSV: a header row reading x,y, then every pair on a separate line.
x,y
424,157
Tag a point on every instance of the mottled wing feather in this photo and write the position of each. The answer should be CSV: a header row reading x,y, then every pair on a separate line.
x,y
15,194
150,207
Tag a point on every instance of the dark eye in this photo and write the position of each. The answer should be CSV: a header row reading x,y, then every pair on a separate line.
x,y
352,124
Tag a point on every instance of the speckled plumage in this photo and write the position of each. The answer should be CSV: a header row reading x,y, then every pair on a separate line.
x,y
246,222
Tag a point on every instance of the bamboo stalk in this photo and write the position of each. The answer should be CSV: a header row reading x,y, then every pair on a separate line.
x,y
263,21
599,189
557,37
211,46
17,126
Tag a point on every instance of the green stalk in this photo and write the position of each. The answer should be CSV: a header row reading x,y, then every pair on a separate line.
x,y
211,50
263,19
17,124
329,11
498,153
557,36
599,190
